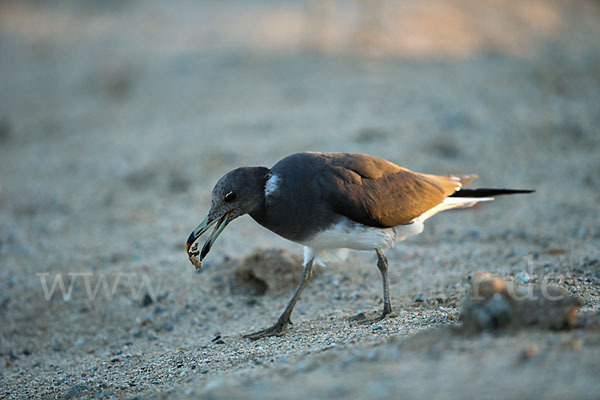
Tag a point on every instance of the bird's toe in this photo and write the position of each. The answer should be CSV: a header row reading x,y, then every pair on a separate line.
x,y
275,330
361,318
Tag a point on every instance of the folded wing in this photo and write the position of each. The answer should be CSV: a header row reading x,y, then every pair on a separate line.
x,y
377,193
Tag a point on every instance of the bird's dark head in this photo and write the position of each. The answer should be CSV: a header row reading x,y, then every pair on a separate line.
x,y
238,192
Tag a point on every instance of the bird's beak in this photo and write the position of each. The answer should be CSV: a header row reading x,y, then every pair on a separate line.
x,y
221,221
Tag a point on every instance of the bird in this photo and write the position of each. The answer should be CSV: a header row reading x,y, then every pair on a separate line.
x,y
335,200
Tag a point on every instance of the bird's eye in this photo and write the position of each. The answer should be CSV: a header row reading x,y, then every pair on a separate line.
x,y
230,197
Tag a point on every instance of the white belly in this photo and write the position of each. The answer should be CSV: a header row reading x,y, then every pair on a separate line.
x,y
352,235
347,234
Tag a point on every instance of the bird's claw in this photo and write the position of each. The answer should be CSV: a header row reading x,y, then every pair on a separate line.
x,y
279,329
363,320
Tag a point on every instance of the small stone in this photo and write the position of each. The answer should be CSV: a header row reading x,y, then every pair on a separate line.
x,y
420,298
151,337
76,391
26,352
531,350
79,342
499,311
377,328
474,233
358,317
522,277
116,359
147,300
159,310
251,302
168,326
220,341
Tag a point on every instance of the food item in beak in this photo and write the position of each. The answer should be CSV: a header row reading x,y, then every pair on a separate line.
x,y
193,256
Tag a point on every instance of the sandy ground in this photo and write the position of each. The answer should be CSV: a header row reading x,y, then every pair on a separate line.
x,y
115,122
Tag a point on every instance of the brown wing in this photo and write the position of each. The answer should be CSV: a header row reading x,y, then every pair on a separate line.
x,y
378,193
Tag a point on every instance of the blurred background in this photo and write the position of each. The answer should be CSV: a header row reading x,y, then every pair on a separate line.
x,y
117,118
110,105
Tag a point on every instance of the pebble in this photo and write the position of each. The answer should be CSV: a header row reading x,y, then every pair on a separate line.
x,y
420,298
377,328
474,233
358,317
531,350
147,300
76,391
251,302
522,277
168,326
499,310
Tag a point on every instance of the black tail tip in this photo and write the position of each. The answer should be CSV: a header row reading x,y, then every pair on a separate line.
x,y
487,192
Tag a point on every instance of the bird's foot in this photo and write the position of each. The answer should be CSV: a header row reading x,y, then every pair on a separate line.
x,y
361,318
279,329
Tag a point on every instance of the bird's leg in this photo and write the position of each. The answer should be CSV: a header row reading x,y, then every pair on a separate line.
x,y
382,264
281,326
